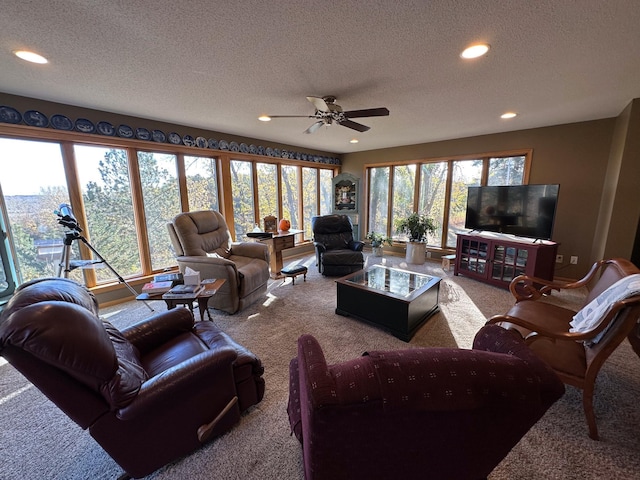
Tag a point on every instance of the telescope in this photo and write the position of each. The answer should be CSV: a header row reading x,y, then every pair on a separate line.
x,y
66,217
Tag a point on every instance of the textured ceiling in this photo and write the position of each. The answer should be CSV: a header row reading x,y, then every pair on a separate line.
x,y
218,65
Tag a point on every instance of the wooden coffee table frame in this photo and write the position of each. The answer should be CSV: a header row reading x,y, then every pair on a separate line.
x,y
401,315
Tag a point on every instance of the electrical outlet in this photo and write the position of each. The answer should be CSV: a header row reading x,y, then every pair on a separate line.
x,y
559,258
574,260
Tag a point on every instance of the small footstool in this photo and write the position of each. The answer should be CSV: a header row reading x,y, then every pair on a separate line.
x,y
293,271
446,261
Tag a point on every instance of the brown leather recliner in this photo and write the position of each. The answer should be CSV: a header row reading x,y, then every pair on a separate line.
x,y
202,242
148,394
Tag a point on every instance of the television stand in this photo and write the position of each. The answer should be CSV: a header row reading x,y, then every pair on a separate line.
x,y
497,259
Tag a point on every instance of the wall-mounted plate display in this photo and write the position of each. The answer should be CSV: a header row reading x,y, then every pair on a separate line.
x,y
158,136
253,149
234,147
143,134
261,150
125,131
9,115
60,122
189,141
105,128
201,142
85,126
174,138
213,143
35,118
223,145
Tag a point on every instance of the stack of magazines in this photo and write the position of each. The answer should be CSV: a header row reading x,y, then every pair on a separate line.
x,y
183,291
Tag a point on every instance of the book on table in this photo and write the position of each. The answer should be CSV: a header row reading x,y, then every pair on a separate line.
x,y
183,291
155,288
175,278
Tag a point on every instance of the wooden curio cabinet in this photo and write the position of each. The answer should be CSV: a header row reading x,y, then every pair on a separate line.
x,y
498,259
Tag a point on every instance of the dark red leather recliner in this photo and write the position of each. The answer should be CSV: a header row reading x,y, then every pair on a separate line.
x,y
148,394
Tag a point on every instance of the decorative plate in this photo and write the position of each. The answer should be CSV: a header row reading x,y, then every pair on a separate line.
x,y
223,145
261,150
175,138
284,154
143,134
60,122
253,148
85,126
10,115
269,152
276,152
35,119
244,148
234,147
105,128
213,143
125,131
201,142
189,141
158,136
304,157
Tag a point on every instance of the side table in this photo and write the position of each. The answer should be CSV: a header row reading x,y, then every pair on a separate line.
x,y
211,286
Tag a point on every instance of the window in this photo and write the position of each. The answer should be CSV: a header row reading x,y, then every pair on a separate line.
x,y
202,183
242,193
161,197
33,185
442,191
103,174
123,197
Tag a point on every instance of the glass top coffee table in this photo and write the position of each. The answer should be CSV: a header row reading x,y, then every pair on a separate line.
x,y
397,300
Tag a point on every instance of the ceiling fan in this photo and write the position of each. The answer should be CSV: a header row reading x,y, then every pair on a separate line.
x,y
328,112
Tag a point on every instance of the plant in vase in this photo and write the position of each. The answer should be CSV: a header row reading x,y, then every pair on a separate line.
x,y
377,240
416,227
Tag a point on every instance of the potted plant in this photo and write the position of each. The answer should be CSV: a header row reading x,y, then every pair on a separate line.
x,y
416,227
377,240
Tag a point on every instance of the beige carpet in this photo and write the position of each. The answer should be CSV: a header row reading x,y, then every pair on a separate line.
x,y
38,441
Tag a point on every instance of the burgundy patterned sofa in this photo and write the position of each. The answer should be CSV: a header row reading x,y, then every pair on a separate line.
x,y
436,413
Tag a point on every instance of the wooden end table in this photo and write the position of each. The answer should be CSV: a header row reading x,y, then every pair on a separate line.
x,y
211,286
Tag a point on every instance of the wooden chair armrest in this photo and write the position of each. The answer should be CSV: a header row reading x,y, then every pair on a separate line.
x,y
525,287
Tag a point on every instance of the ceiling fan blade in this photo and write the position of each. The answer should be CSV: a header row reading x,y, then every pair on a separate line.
x,y
291,116
355,126
367,112
319,103
314,127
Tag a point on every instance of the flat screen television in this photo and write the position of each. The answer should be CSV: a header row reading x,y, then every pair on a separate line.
x,y
523,210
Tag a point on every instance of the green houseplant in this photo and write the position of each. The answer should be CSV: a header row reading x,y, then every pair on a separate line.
x,y
377,240
416,226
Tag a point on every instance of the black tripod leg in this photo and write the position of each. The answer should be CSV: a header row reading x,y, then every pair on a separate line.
x,y
118,276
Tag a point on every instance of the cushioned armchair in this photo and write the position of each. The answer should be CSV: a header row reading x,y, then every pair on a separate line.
x,y
577,354
437,413
337,253
148,394
202,242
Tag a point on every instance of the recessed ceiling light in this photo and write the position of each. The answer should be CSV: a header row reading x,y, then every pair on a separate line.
x,y
508,115
354,140
475,51
30,56
264,118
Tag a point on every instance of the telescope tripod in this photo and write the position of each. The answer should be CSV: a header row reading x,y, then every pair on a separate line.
x,y
66,265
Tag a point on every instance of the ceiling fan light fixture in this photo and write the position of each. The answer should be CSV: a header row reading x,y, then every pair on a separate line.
x,y
264,118
475,51
30,57
508,115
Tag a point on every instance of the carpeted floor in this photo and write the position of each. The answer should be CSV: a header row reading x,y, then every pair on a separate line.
x,y
37,441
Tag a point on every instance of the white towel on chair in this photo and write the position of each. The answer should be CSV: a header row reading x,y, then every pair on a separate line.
x,y
594,312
